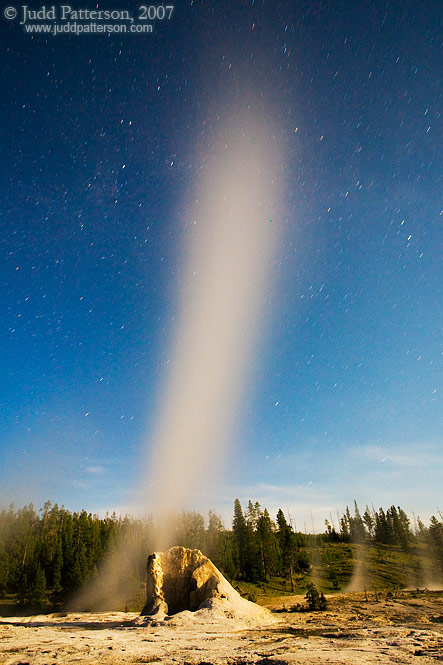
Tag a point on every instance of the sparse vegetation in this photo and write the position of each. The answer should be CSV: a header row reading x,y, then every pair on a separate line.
x,y
316,600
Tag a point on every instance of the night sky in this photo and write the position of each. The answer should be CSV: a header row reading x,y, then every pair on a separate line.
x,y
101,137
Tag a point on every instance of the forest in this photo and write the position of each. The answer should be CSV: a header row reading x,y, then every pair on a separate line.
x,y
48,556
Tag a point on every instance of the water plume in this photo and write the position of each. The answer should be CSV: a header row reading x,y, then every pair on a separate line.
x,y
232,232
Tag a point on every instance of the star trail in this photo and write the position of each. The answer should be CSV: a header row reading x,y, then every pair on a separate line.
x,y
103,140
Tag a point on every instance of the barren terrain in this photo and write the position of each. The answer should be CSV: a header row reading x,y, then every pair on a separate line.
x,y
405,629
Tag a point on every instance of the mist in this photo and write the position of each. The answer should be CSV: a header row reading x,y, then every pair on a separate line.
x,y
233,228
232,233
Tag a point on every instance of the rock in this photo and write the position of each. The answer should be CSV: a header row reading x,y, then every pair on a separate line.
x,y
183,586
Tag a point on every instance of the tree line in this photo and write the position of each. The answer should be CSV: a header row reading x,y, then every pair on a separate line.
x,y
47,556
390,527
387,527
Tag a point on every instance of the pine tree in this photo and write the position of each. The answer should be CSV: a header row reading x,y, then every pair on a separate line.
x,y
357,526
381,532
57,567
4,571
38,589
436,540
345,532
240,531
286,544
214,537
369,522
404,529
266,538
254,566
312,596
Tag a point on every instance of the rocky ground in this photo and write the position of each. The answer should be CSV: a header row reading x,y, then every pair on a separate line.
x,y
405,629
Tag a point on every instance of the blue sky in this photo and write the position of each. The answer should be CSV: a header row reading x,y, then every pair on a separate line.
x,y
342,398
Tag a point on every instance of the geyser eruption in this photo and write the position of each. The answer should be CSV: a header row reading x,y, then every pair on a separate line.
x,y
232,231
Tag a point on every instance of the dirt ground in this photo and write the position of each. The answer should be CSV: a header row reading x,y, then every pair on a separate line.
x,y
405,629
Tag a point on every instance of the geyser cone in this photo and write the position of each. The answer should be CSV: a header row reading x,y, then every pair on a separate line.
x,y
183,580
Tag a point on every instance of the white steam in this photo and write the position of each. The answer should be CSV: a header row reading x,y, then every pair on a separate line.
x,y
232,234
